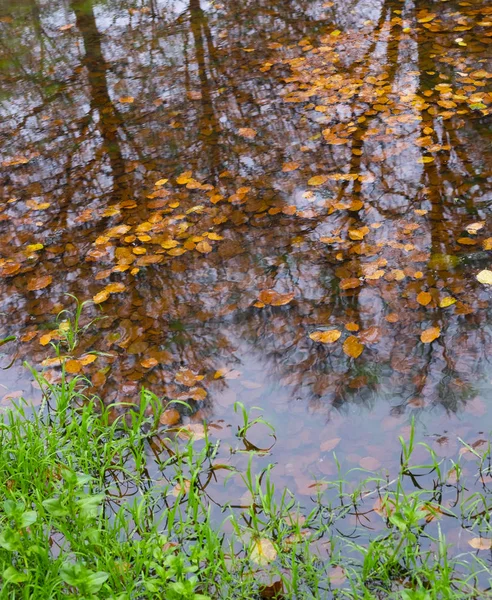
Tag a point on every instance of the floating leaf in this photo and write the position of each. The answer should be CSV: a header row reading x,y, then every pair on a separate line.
x,y
274,298
430,334
263,551
480,543
485,277
352,347
126,99
318,180
350,283
73,366
424,298
247,132
204,247
446,301
170,417
325,337
330,444
289,166
39,283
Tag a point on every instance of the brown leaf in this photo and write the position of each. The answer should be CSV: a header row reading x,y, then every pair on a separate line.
x,y
290,166
349,283
274,298
170,417
370,463
330,444
39,283
318,180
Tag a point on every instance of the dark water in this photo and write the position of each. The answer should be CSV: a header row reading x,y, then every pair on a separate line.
x,y
239,105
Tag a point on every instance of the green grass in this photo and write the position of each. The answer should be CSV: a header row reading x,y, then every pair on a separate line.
x,y
94,506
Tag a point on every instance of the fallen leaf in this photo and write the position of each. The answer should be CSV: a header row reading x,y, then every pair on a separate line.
x,y
424,298
73,366
330,444
289,166
446,301
247,132
126,99
263,551
352,347
41,282
430,334
325,337
318,180
485,277
349,283
274,298
204,247
370,463
480,543
170,417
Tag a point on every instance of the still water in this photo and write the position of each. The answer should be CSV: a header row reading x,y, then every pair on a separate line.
x,y
232,180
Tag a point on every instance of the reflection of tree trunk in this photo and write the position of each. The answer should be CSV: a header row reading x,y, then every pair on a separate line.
x,y
109,119
209,125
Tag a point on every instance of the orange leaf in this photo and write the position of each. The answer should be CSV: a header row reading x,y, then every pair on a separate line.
x,y
424,298
39,283
73,366
430,334
325,337
247,132
480,543
352,347
318,180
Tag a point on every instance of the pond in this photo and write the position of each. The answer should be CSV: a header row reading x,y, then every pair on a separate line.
x,y
276,203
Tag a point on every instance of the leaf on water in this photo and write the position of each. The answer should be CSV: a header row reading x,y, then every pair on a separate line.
x,y
370,463
330,444
101,296
352,326
247,132
447,301
289,166
485,277
184,178
352,347
425,160
194,431
472,228
350,283
39,283
34,247
263,552
430,334
160,182
170,417
87,359
424,298
204,247
148,363
318,180
111,288
325,337
73,366
358,234
274,298
480,543
187,377
126,99
182,487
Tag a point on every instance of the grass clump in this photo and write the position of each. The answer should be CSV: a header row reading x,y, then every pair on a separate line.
x,y
93,506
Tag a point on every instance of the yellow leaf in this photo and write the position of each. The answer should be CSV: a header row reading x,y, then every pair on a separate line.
x,y
214,236
447,301
101,296
325,337
45,339
161,182
34,247
289,166
148,363
274,298
184,178
352,347
263,552
480,543
318,180
424,298
358,234
485,277
87,359
73,366
425,160
113,288
126,99
430,334
168,244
